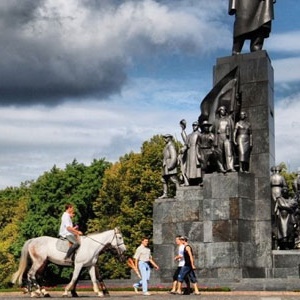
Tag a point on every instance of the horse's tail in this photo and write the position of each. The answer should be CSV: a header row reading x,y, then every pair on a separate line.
x,y
18,276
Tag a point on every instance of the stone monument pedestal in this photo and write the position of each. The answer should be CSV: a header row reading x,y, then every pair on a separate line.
x,y
219,220
228,221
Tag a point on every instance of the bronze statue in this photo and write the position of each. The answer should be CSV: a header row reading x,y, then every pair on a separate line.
x,y
296,183
285,220
252,22
191,152
277,182
242,138
206,147
169,168
223,131
296,189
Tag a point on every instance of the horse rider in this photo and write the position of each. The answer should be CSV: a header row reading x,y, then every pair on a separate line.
x,y
69,232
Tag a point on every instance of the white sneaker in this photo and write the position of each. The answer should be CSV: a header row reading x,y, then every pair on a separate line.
x,y
146,294
135,289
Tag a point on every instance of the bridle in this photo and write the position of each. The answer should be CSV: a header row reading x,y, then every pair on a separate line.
x,y
109,245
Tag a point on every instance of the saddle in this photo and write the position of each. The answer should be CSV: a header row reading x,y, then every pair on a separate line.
x,y
62,244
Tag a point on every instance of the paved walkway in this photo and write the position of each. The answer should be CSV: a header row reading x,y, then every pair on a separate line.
x,y
236,295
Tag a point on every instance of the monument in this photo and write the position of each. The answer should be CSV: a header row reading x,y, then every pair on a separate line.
x,y
228,220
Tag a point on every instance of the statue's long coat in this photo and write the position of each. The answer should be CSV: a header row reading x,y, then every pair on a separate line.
x,y
252,15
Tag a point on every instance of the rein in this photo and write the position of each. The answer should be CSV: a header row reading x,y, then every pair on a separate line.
x,y
105,245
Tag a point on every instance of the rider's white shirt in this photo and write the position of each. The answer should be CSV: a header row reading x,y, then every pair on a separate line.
x,y
66,221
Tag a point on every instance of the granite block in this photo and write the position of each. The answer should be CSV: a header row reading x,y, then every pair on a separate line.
x,y
256,93
254,273
230,273
246,231
164,255
263,210
246,208
286,258
189,192
225,231
222,255
261,142
207,232
286,272
261,165
216,209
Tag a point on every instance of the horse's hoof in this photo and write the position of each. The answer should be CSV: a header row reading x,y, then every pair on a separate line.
x,y
35,295
47,295
65,295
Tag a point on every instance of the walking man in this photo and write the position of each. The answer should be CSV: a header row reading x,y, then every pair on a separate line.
x,y
143,259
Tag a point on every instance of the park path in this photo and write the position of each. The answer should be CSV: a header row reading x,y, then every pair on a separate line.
x,y
234,295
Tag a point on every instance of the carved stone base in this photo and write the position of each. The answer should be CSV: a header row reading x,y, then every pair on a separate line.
x,y
219,220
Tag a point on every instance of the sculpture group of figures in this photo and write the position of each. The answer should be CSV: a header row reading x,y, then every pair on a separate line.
x,y
286,209
210,147
221,139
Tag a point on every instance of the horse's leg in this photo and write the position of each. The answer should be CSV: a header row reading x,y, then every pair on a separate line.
x,y
73,290
37,264
101,282
32,282
71,284
92,272
39,275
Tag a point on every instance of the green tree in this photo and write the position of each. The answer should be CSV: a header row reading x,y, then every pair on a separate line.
x,y
126,199
13,210
77,184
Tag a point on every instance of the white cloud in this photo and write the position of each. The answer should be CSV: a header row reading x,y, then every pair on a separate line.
x,y
287,42
287,69
287,131
34,139
71,49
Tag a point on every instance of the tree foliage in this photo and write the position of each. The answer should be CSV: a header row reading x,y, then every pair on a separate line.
x,y
126,199
77,184
13,210
105,195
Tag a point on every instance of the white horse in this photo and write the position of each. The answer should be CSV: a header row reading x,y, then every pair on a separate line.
x,y
44,248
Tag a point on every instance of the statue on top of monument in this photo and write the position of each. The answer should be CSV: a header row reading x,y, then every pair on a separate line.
x,y
242,138
277,182
207,139
296,183
223,131
191,164
169,167
285,220
252,22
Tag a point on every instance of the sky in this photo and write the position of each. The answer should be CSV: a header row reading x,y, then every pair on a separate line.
x,y
91,79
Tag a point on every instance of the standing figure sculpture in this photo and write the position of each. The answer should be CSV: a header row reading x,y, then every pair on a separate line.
x,y
296,183
191,151
252,22
277,182
206,147
169,168
296,189
223,131
242,138
285,220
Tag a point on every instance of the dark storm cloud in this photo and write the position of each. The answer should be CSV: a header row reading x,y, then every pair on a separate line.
x,y
37,66
55,51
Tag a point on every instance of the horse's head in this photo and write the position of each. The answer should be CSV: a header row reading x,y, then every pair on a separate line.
x,y
118,244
